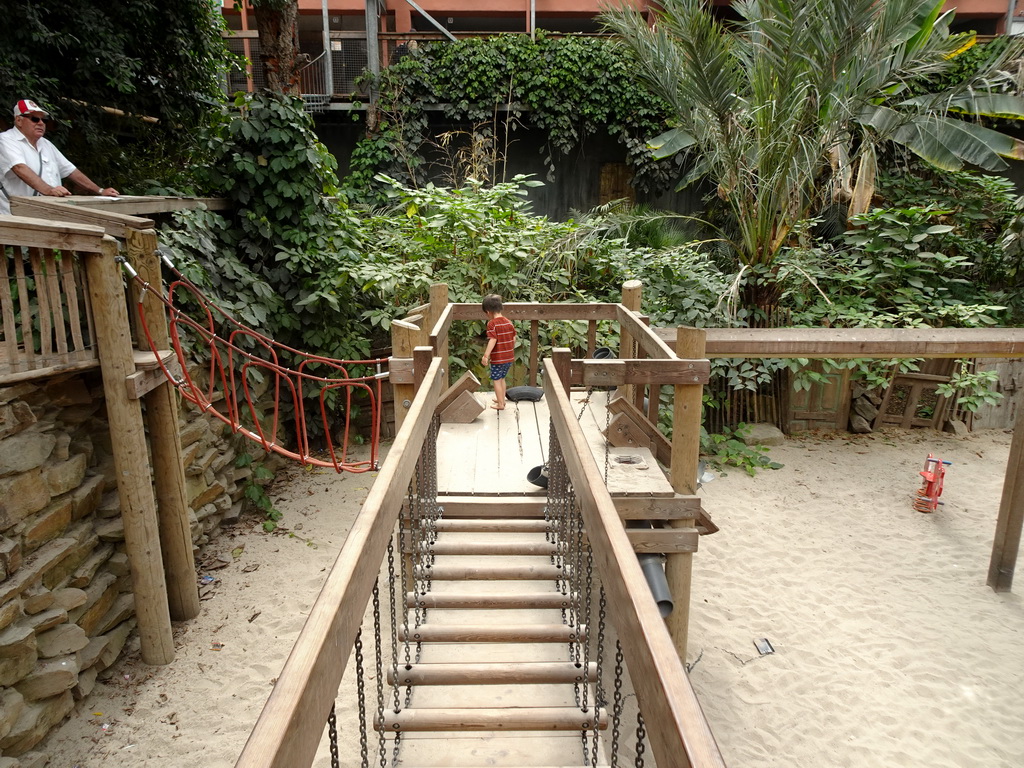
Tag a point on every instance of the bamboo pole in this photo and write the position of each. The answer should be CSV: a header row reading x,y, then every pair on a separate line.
x,y
165,440
1006,542
138,508
690,344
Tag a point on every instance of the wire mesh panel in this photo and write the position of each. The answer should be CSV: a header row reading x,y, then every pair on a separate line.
x,y
348,61
254,76
313,84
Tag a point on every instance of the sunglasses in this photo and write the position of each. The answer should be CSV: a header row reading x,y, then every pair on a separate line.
x,y
35,119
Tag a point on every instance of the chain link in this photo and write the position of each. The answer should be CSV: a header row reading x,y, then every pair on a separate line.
x,y
392,586
332,730
364,746
618,703
599,693
379,668
607,431
641,740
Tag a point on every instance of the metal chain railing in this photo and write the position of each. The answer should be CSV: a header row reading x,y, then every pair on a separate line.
x,y
585,613
395,636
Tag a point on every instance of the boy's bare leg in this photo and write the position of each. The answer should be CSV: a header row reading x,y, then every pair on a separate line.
x,y
499,395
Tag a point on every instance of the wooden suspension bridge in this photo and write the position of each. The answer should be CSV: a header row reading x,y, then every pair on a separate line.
x,y
455,560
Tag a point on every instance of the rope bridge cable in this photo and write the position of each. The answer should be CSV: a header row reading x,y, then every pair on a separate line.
x,y
232,367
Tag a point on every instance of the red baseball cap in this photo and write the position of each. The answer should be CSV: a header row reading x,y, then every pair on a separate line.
x,y
25,106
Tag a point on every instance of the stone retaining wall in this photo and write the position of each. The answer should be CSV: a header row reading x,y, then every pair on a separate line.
x,y
66,606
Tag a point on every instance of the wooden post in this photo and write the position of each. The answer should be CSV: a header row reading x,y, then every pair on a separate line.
x,y
422,358
562,360
138,508
165,440
438,302
631,294
1006,543
639,390
404,338
534,351
690,345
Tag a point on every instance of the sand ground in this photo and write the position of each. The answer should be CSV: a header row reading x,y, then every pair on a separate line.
x,y
890,651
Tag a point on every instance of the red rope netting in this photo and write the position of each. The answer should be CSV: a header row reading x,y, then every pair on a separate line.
x,y
241,358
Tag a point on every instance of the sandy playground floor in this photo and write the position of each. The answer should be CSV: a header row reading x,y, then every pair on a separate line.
x,y
890,651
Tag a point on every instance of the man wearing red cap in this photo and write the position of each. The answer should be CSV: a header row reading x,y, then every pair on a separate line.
x,y
31,165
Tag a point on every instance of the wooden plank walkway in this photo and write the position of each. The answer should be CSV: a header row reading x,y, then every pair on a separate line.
x,y
489,459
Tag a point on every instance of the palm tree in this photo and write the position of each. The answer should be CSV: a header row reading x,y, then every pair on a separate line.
x,y
783,110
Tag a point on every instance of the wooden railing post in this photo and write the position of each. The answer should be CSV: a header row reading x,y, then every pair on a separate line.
x,y
438,302
138,508
422,357
534,352
404,338
1006,544
690,345
631,298
165,439
561,358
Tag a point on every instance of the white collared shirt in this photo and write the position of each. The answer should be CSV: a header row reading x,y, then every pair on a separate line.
x,y
43,159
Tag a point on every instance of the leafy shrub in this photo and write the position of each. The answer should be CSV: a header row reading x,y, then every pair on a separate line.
x,y
281,261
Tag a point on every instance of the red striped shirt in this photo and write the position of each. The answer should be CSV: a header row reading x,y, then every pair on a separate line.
x,y
504,333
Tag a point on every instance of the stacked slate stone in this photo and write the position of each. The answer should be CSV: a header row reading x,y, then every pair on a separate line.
x,y
66,605
863,409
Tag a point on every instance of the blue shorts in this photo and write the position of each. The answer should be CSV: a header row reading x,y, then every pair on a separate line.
x,y
499,372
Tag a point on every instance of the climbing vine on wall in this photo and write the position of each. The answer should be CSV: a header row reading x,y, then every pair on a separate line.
x,y
569,87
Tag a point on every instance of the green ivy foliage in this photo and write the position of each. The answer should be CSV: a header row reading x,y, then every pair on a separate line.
x,y
570,87
282,261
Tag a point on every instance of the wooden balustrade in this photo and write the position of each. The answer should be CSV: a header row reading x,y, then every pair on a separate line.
x,y
47,318
678,731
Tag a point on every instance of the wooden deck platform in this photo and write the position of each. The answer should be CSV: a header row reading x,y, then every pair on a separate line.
x,y
493,455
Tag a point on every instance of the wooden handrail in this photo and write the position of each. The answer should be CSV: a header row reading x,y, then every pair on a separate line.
x,y
533,311
676,725
289,728
114,224
42,233
846,343
649,341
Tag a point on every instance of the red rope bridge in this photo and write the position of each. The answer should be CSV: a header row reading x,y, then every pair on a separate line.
x,y
240,357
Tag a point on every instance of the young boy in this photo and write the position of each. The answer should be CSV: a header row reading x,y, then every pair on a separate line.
x,y
500,351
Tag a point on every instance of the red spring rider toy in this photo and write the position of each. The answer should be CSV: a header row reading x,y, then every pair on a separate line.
x,y
927,499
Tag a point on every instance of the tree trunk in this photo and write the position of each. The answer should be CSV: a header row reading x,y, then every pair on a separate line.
x,y
279,42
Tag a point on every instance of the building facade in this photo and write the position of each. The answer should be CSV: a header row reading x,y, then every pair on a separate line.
x,y
342,38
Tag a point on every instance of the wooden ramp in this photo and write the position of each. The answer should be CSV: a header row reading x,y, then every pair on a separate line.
x,y
498,681
507,626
